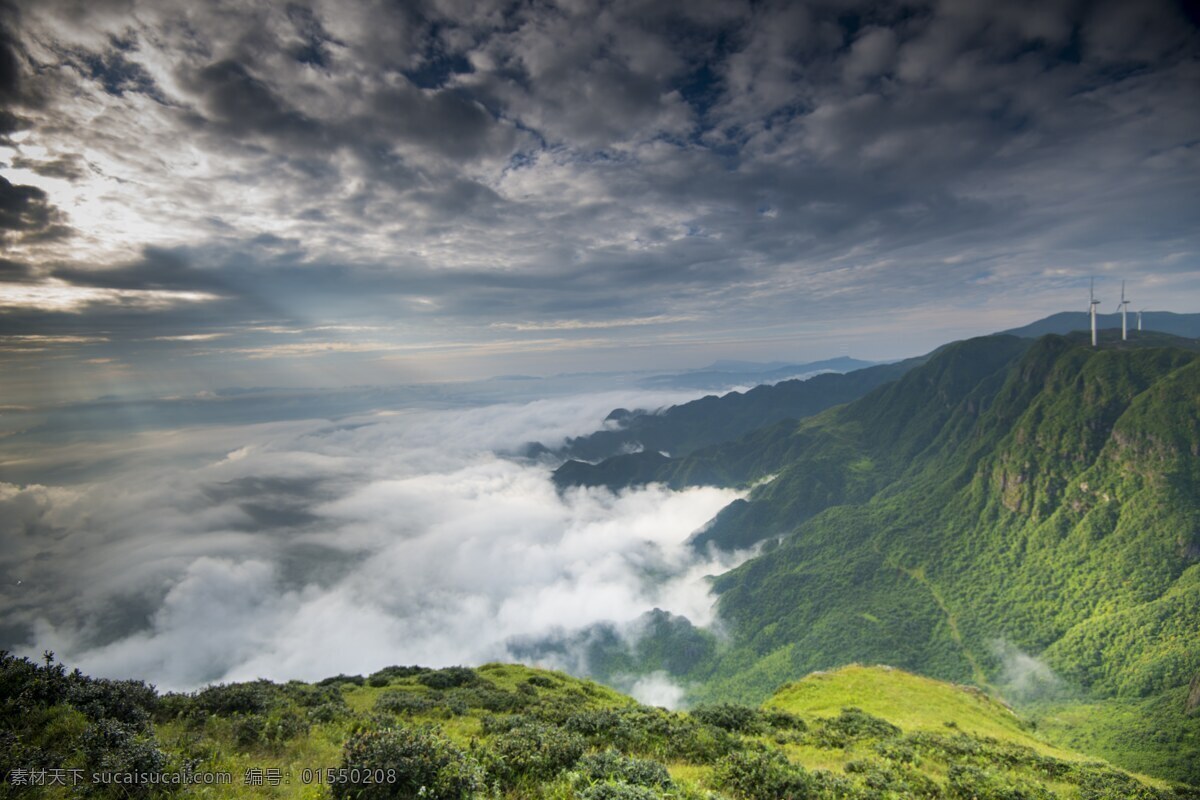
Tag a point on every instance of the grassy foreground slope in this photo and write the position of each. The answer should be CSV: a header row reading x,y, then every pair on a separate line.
x,y
508,731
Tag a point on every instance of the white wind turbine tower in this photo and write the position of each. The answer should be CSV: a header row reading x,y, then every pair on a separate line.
x,y
1095,303
1140,318
1123,305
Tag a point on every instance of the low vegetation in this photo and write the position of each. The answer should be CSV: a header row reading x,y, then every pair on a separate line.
x,y
511,732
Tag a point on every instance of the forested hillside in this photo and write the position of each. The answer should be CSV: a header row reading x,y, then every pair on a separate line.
x,y
1024,516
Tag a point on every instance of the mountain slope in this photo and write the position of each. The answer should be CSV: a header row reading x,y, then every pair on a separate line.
x,y
509,731
1022,515
1053,509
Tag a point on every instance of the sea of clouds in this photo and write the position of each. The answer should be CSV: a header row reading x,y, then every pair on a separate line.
x,y
304,549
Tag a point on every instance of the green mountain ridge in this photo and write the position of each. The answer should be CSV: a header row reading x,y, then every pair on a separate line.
x,y
710,420
1008,497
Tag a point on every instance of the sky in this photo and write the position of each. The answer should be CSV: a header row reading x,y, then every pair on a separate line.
x,y
196,196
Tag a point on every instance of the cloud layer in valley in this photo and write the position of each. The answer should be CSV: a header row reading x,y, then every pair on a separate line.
x,y
306,549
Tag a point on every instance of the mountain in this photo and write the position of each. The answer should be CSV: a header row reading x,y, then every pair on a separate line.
x,y
1023,515
680,430
504,730
724,374
683,428
1186,325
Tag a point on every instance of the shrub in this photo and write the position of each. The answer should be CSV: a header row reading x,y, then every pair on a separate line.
x,y
114,747
782,720
764,776
975,783
255,697
449,678
534,750
412,762
542,681
729,717
327,712
851,725
600,725
612,766
617,791
897,751
404,702
130,702
1100,783
489,699
248,730
337,680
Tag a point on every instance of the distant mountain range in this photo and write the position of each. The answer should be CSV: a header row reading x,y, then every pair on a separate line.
x,y
727,374
1186,325
683,428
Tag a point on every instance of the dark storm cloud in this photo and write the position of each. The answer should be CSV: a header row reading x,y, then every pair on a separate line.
x,y
156,269
15,272
26,215
242,105
459,166
10,65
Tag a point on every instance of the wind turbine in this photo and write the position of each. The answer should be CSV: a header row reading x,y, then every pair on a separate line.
x,y
1095,303
1140,318
1121,306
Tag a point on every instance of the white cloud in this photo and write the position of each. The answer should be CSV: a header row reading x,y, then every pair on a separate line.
x,y
657,689
309,549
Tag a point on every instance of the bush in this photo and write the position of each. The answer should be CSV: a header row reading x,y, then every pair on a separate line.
x,y
404,702
729,717
255,697
1100,783
975,783
489,699
413,763
764,776
113,747
617,791
327,712
337,680
450,677
248,730
601,726
851,725
534,750
130,702
782,720
612,766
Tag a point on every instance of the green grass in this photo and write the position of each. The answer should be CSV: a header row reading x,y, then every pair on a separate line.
x,y
909,701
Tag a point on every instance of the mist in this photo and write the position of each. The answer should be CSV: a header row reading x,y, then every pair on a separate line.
x,y
303,549
1025,678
